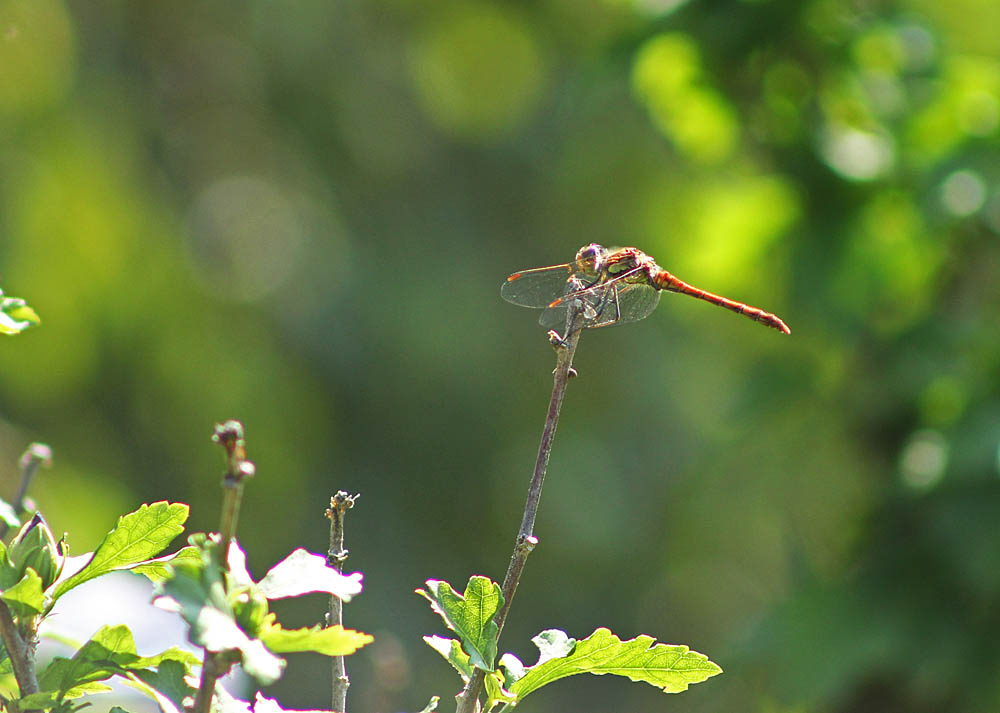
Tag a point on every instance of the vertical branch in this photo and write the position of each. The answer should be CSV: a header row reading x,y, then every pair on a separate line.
x,y
20,651
335,558
19,637
37,454
524,544
230,436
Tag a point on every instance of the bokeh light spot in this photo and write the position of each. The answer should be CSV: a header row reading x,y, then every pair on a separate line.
x,y
478,73
658,7
246,237
963,193
919,46
857,155
666,77
730,227
923,460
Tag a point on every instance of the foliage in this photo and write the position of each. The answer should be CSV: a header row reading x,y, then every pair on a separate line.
x,y
225,610
16,315
301,216
470,615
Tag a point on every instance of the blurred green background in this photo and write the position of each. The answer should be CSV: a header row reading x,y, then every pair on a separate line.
x,y
299,215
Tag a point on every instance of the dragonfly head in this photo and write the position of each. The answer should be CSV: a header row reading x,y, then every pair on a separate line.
x,y
590,257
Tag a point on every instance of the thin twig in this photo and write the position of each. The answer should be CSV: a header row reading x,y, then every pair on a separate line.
x,y
230,436
468,700
335,558
20,651
238,469
37,454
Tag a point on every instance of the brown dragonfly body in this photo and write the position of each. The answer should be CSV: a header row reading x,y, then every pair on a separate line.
x,y
614,286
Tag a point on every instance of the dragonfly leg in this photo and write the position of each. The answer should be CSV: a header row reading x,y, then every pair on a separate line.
x,y
612,297
555,340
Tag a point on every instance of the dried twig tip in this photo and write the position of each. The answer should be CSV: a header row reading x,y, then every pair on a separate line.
x,y
341,503
343,500
36,454
229,434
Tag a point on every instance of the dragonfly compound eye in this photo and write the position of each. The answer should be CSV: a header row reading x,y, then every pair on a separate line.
x,y
589,255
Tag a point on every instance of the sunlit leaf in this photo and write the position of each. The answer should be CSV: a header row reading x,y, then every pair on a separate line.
x,y
16,315
495,690
553,644
26,597
469,615
137,537
431,705
671,668
270,705
110,651
167,685
331,641
49,699
303,572
197,593
451,650
8,515
156,569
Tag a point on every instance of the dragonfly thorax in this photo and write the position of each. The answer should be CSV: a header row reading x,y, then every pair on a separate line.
x,y
629,260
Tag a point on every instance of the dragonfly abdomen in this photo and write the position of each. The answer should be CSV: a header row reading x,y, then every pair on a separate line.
x,y
663,280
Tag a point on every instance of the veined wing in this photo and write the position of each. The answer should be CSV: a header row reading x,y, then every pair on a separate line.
x,y
627,297
537,287
605,305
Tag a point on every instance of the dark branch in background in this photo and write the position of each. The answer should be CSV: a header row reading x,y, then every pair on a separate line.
x,y
230,436
468,700
335,558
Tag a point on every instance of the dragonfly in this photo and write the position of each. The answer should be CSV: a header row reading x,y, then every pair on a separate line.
x,y
610,286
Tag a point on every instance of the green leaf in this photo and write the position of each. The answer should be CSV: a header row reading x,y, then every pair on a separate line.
x,y
431,705
172,655
155,570
9,574
42,699
137,537
8,515
109,651
260,663
469,615
225,702
553,644
303,572
270,705
26,597
495,691
167,685
671,668
451,650
196,592
16,315
51,699
331,641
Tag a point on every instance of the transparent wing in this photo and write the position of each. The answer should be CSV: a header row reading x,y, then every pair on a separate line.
x,y
606,305
538,287
635,301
